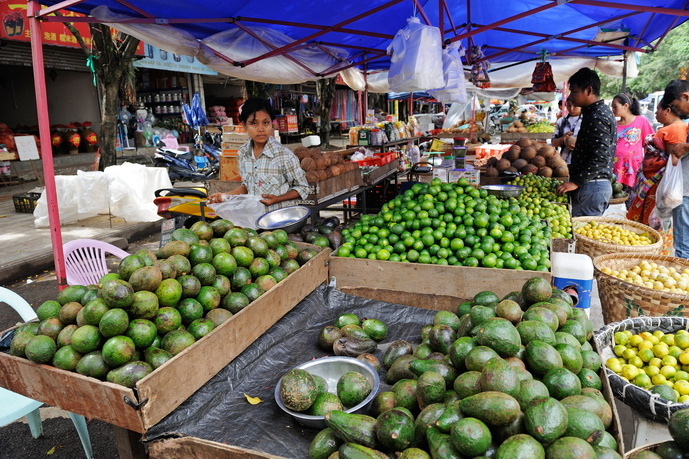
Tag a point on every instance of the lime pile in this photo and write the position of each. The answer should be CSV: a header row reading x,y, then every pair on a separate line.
x,y
451,224
541,126
613,234
656,361
158,303
539,199
651,275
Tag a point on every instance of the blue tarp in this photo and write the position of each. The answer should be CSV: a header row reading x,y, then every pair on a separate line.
x,y
561,29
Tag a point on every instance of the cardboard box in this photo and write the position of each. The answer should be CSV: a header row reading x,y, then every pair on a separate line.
x,y
287,123
158,394
233,129
442,173
332,187
229,168
473,175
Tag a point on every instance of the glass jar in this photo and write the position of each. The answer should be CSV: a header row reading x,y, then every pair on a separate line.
x,y
156,98
164,109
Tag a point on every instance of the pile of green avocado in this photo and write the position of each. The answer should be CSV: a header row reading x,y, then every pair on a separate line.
x,y
158,303
503,378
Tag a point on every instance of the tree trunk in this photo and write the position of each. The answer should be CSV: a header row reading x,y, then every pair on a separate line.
x,y
108,124
325,88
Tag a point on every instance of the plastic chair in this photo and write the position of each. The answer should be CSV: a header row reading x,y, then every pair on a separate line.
x,y
85,260
171,142
15,406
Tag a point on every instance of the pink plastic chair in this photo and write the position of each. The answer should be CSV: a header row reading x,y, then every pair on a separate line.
x,y
85,260
171,142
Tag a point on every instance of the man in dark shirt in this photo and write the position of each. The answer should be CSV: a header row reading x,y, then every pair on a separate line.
x,y
593,155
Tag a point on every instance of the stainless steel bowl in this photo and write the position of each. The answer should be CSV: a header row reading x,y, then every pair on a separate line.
x,y
291,219
503,191
331,369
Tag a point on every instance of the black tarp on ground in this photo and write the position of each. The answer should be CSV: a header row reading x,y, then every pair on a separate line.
x,y
219,411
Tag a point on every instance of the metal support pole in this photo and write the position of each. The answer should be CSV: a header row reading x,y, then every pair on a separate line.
x,y
46,148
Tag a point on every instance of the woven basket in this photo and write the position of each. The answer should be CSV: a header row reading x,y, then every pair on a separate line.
x,y
621,200
650,405
593,247
648,447
621,299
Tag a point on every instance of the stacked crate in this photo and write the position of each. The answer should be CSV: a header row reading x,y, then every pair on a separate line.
x,y
233,137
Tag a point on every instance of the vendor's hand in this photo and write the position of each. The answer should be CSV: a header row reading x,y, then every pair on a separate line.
x,y
566,188
269,199
215,197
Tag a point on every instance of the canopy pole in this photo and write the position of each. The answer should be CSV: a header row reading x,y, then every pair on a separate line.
x,y
46,148
365,104
624,72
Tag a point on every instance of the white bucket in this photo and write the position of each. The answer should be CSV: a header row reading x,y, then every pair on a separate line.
x,y
573,273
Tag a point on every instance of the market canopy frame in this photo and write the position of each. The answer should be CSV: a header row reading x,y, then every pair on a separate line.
x,y
507,31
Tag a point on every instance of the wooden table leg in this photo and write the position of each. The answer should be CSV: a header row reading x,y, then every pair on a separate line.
x,y
129,444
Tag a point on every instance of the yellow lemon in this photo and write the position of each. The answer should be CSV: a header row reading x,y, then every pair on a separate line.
x,y
621,338
668,371
658,379
682,387
646,355
614,365
681,375
683,399
630,371
684,358
675,351
669,360
642,380
655,362
668,339
628,354
636,361
645,344
635,340
651,371
660,350
619,349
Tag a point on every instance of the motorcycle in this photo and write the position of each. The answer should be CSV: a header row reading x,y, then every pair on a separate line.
x,y
181,208
185,165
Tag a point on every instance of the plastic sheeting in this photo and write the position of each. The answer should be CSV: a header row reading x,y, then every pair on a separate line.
x,y
219,411
641,400
126,191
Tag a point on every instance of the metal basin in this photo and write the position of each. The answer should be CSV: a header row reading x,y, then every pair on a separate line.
x,y
503,191
331,369
291,219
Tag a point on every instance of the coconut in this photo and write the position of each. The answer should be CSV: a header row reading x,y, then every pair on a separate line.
x,y
335,170
554,161
518,164
513,153
538,161
561,171
320,163
527,153
545,171
528,169
492,161
492,172
524,142
308,164
512,170
546,151
322,175
502,164
301,152
312,177
315,152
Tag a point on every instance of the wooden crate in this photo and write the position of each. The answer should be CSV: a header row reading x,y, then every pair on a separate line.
x,y
378,173
429,286
155,396
425,296
332,187
515,136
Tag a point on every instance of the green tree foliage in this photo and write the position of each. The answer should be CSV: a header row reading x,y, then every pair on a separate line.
x,y
657,68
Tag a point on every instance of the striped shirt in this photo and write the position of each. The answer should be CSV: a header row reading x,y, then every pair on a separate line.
x,y
276,171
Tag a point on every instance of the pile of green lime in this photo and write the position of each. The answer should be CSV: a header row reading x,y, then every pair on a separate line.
x,y
158,303
539,199
451,224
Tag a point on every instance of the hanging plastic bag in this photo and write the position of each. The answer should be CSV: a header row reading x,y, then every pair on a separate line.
x,y
241,209
669,194
453,74
542,78
417,59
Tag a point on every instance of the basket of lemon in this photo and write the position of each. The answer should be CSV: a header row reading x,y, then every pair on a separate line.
x,y
645,360
639,284
601,235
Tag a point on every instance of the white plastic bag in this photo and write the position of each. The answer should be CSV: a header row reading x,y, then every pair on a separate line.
x,y
670,188
454,89
241,209
417,58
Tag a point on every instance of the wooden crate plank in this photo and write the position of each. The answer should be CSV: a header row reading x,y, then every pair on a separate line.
x,y
197,448
69,391
459,282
